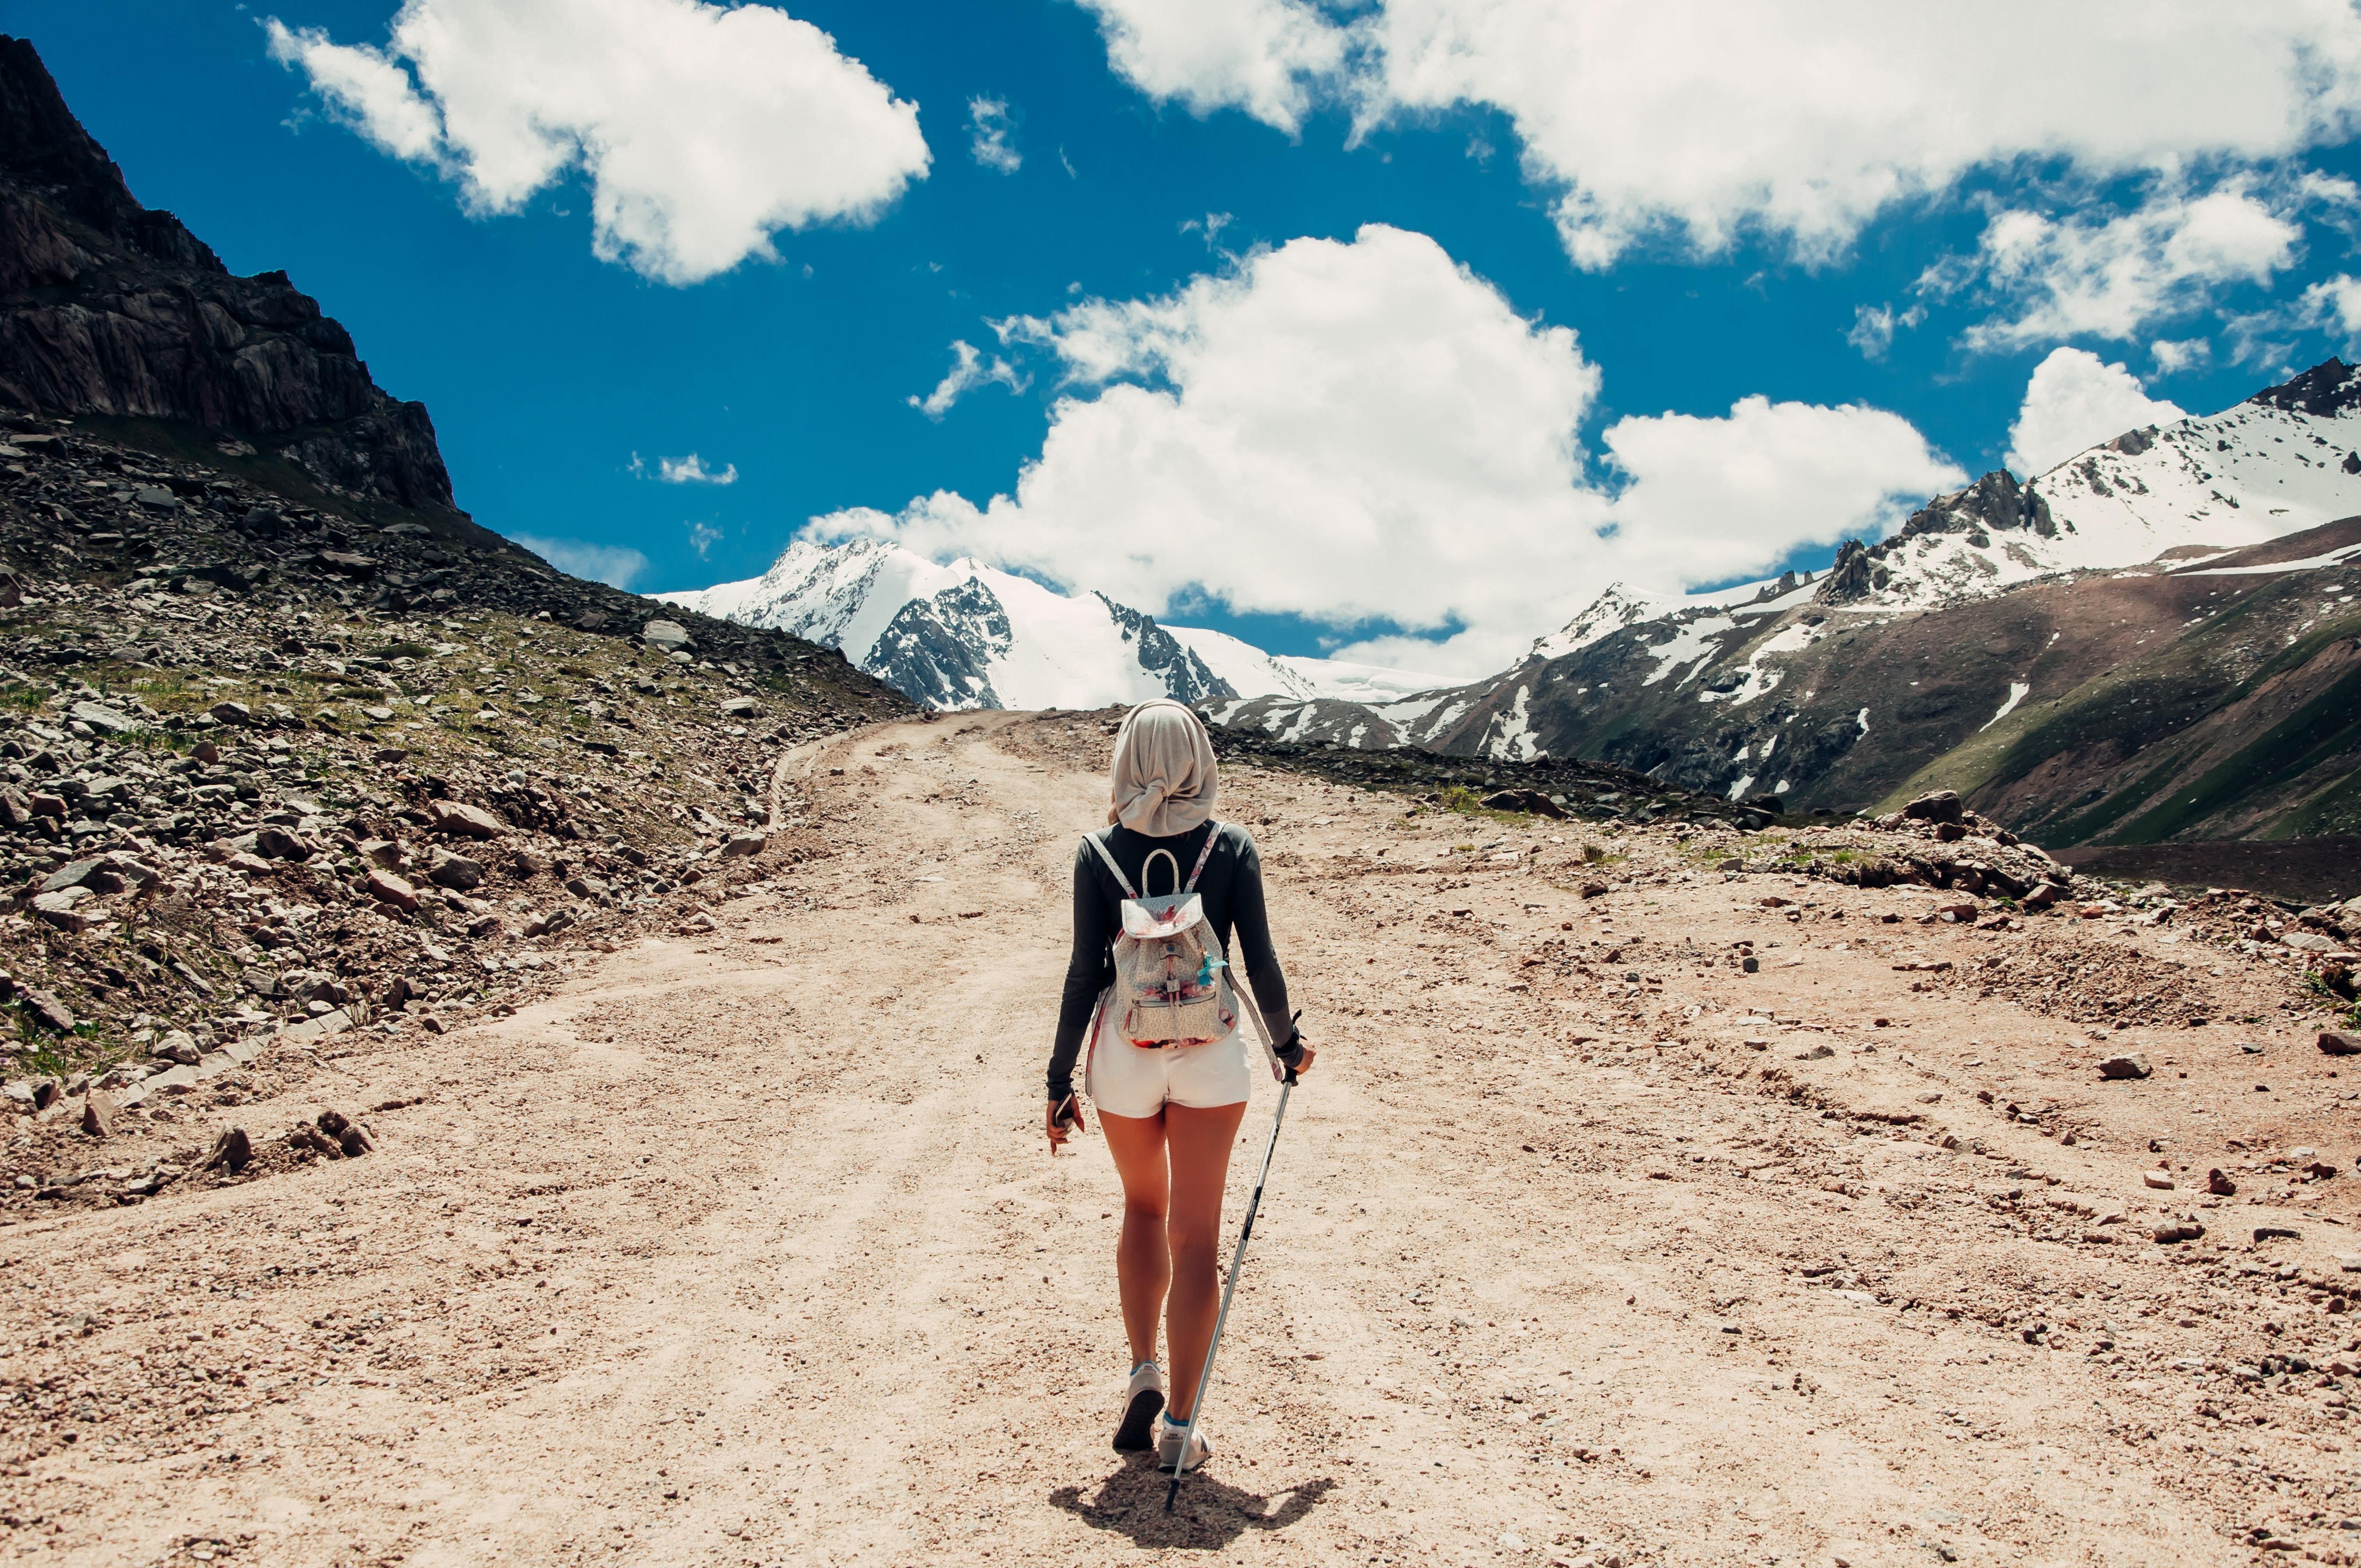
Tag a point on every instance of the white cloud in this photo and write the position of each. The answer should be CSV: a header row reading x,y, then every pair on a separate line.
x,y
702,129
2109,275
1698,117
1367,432
618,567
1873,328
968,371
2174,355
991,135
2335,303
1267,57
691,471
2073,401
702,538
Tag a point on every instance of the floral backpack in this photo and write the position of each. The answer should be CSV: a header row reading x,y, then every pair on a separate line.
x,y
1172,985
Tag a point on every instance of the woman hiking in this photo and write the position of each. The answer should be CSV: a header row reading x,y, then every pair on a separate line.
x,y
1170,1110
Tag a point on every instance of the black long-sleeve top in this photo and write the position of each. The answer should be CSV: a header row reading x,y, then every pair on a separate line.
x,y
1231,889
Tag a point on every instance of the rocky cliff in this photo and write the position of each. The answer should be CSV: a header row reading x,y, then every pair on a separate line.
x,y
110,308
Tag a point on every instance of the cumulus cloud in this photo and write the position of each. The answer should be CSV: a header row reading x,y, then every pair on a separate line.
x,y
2110,274
2073,401
703,130
1695,119
1267,57
615,565
968,371
2335,303
991,134
691,471
1366,432
2173,355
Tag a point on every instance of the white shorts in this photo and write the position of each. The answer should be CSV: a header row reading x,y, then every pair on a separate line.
x,y
1124,1080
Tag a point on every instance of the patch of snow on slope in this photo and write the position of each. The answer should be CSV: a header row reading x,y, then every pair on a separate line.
x,y
2016,690
1350,682
1691,642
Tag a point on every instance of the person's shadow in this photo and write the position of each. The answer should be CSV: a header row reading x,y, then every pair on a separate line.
x,y
1210,1515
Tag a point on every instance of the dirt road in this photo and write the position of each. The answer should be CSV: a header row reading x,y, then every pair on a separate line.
x,y
744,1248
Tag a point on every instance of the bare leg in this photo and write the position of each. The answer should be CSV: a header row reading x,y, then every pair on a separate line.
x,y
1200,1141
1143,1266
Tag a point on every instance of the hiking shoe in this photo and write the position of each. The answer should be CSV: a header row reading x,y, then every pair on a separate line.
x,y
1141,1401
1169,1435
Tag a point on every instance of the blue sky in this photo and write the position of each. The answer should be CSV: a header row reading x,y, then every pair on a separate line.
x,y
548,369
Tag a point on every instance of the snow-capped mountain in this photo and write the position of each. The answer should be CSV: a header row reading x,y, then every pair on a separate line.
x,y
966,635
1862,678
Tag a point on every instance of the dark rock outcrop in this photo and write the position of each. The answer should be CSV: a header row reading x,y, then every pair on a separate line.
x,y
2331,387
110,308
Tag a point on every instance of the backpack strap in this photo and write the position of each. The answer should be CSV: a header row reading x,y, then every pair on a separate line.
x,y
1121,881
1212,832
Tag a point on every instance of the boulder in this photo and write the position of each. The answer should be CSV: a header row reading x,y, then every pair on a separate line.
x,y
2340,1043
456,872
74,875
746,844
743,707
226,712
669,635
278,844
468,821
47,1011
2126,1065
104,720
388,888
1937,806
100,1115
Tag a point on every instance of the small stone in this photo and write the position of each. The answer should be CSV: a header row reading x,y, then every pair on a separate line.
x,y
48,1093
352,1140
231,1152
2130,1064
104,720
2178,1231
100,1115
1592,889
179,1046
228,712
2158,1179
2276,1234
742,707
388,888
470,821
2219,1185
746,844
382,852
2340,1043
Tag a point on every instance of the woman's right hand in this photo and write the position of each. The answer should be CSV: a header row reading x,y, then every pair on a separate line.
x,y
1059,1131
1303,1062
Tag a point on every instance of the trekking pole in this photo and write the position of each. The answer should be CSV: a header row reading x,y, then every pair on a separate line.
x,y
1205,1377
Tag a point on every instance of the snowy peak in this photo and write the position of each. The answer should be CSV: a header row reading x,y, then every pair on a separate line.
x,y
963,635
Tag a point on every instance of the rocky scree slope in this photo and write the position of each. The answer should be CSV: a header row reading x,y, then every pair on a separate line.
x,y
269,774
108,308
2097,656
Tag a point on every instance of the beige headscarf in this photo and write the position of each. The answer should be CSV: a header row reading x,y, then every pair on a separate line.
x,y
1164,778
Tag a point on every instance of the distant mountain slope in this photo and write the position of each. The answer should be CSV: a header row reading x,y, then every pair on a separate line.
x,y
2024,643
965,635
